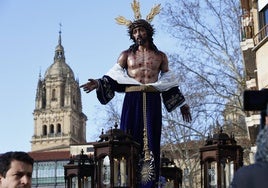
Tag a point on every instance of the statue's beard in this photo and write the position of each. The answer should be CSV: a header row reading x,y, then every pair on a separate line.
x,y
140,41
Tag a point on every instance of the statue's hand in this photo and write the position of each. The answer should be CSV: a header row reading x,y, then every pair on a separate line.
x,y
90,85
186,114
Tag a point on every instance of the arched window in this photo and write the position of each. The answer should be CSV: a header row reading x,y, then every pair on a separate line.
x,y
53,94
58,128
51,129
44,130
74,100
44,102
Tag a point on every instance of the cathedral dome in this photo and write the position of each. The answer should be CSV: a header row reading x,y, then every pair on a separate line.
x,y
59,69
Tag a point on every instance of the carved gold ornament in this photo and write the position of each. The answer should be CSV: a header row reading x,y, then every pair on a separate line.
x,y
135,5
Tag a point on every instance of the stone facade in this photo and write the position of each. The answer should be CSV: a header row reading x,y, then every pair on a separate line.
x,y
58,117
254,25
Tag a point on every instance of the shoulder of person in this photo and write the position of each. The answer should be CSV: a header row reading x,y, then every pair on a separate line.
x,y
254,175
163,56
125,53
162,53
253,168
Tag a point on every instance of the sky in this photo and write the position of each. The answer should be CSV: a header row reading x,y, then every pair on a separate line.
x,y
92,41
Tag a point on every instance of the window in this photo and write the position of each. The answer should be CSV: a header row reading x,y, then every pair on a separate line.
x,y
60,171
263,15
74,100
48,173
58,128
44,130
44,97
51,129
53,95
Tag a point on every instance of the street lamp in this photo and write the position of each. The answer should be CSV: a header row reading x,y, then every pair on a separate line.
x,y
220,158
116,156
79,172
171,173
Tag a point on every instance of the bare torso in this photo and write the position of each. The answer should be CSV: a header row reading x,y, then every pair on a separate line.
x,y
144,65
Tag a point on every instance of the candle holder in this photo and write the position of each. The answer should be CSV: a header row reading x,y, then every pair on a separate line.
x,y
79,172
116,156
219,158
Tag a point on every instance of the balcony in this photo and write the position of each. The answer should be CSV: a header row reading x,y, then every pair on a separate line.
x,y
57,136
247,31
261,37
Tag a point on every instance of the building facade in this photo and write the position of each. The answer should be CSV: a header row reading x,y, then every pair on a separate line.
x,y
254,45
58,117
48,169
58,122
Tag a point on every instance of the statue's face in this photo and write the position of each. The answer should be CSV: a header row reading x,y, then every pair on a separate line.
x,y
140,35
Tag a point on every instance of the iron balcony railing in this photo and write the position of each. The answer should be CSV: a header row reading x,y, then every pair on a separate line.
x,y
261,35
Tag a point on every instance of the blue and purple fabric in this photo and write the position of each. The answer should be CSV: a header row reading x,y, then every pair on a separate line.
x,y
132,117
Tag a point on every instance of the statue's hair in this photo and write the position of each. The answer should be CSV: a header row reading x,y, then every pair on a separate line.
x,y
141,23
150,32
262,145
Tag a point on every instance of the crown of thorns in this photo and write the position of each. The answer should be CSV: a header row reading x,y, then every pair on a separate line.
x,y
135,5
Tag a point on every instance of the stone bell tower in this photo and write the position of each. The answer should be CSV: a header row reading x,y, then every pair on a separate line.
x,y
58,117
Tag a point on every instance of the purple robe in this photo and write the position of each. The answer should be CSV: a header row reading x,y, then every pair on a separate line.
x,y
132,121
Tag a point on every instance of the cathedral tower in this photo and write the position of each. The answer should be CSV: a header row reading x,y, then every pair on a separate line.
x,y
58,117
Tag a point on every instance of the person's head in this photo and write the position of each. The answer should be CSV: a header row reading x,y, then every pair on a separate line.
x,y
262,145
144,24
15,170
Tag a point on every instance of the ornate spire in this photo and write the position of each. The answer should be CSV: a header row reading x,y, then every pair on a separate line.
x,y
59,52
59,41
121,20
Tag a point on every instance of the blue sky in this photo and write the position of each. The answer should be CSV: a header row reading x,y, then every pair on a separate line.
x,y
28,36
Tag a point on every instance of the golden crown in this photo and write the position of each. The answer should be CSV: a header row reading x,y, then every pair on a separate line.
x,y
135,5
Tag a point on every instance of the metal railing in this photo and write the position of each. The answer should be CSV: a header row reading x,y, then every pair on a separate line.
x,y
262,34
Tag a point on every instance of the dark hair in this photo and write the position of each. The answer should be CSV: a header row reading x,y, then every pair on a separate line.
x,y
150,32
262,145
8,157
